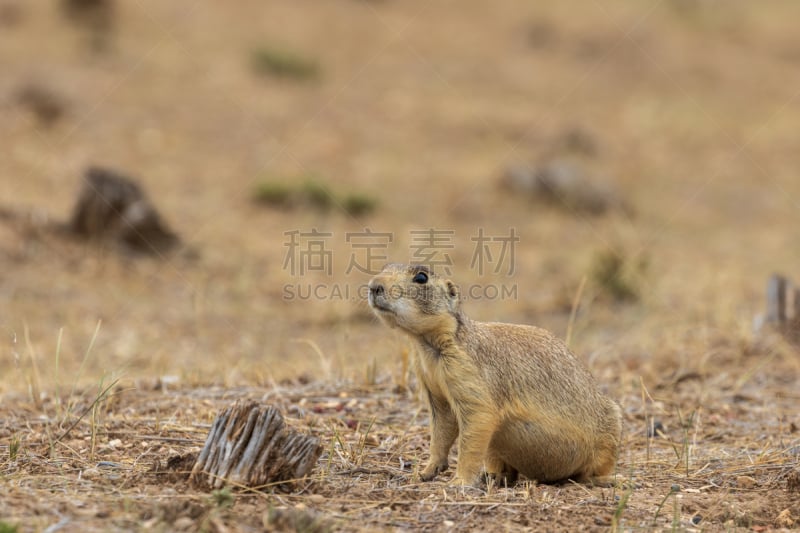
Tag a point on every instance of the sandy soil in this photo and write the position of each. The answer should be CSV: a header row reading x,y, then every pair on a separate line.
x,y
688,109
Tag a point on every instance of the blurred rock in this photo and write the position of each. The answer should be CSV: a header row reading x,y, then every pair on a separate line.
x,y
578,140
43,102
112,207
95,17
541,34
11,14
565,184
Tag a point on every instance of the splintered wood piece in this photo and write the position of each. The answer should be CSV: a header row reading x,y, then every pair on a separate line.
x,y
796,304
249,445
113,207
776,299
783,307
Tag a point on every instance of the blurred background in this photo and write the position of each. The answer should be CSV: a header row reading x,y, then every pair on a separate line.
x,y
636,157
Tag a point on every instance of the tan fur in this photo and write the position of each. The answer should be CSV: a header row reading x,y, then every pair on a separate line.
x,y
514,396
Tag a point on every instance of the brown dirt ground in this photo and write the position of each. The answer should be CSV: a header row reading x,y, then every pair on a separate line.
x,y
689,108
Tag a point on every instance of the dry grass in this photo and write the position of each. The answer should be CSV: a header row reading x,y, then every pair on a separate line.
x,y
722,458
688,109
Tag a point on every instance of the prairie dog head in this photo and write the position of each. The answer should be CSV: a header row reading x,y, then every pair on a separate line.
x,y
413,298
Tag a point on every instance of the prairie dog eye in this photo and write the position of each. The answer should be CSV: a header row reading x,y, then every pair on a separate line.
x,y
421,278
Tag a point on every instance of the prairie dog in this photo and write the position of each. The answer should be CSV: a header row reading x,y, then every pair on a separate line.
x,y
514,396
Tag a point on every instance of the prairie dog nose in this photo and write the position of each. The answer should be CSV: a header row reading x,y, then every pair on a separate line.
x,y
376,289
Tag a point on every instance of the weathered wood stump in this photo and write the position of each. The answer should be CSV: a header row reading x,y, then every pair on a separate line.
x,y
250,446
564,184
783,307
112,207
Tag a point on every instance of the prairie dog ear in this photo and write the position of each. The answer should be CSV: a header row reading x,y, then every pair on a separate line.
x,y
452,289
453,295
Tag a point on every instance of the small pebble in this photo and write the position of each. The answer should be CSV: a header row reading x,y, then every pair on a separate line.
x,y
655,429
745,482
602,520
785,519
183,523
90,473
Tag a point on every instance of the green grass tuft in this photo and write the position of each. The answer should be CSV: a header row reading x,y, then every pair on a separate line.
x,y
614,275
317,195
274,194
268,61
357,204
222,498
13,448
5,527
310,192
